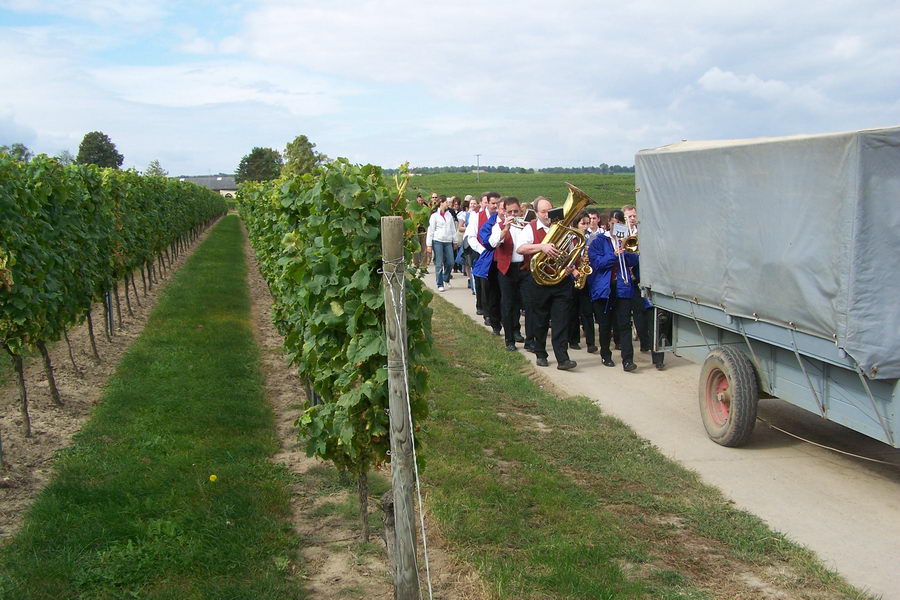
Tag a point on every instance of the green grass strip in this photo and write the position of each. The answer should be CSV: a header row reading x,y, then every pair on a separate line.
x,y
549,498
131,511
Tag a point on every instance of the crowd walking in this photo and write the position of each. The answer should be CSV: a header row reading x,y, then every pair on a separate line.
x,y
490,243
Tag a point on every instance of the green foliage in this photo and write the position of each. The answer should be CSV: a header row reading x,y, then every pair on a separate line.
x,y
154,169
97,149
607,191
318,242
262,164
131,511
18,151
67,233
300,157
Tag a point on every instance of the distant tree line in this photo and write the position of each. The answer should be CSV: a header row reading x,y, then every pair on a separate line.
x,y
603,169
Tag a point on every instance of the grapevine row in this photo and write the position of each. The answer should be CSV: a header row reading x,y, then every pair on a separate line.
x,y
317,240
69,235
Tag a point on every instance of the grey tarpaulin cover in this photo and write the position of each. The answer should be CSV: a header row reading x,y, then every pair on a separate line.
x,y
802,229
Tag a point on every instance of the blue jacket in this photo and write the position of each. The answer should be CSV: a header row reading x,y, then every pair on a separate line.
x,y
604,262
481,267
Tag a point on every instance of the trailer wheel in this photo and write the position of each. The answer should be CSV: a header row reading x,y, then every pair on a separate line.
x,y
728,396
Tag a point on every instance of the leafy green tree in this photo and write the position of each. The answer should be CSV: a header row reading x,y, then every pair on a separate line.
x,y
65,158
301,157
97,149
18,151
154,169
262,164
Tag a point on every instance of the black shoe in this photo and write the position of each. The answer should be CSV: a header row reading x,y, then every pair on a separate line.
x,y
574,346
592,349
529,348
607,362
510,347
518,337
542,362
629,366
566,365
496,332
487,321
660,366
479,312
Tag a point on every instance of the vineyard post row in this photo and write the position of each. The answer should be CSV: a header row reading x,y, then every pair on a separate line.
x,y
69,235
317,240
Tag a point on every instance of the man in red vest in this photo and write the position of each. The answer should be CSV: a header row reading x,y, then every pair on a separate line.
x,y
510,275
549,303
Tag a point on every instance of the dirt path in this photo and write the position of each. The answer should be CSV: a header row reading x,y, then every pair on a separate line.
x,y
332,563
845,509
30,460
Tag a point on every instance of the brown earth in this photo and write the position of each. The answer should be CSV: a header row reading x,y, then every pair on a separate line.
x,y
29,461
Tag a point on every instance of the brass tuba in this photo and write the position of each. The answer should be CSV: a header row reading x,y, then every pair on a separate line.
x,y
569,240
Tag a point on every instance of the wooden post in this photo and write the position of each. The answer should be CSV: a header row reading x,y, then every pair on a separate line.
x,y
406,577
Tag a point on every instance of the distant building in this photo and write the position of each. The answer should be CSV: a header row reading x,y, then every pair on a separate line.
x,y
224,184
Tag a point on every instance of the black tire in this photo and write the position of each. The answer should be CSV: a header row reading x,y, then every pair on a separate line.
x,y
728,396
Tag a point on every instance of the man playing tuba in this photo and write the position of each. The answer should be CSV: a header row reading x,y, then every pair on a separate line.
x,y
548,303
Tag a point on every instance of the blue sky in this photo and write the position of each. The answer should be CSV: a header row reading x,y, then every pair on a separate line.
x,y
573,82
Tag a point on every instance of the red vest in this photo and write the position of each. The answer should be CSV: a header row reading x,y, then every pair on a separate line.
x,y
539,235
503,253
483,216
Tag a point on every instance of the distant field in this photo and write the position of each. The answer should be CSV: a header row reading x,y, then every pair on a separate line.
x,y
608,191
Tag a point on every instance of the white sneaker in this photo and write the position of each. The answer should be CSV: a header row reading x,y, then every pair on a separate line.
x,y
440,288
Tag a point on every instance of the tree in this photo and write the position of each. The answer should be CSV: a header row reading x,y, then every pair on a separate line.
x,y
301,157
262,164
97,149
18,151
65,158
154,169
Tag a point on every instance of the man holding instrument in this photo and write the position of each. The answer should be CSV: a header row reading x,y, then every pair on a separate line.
x,y
549,303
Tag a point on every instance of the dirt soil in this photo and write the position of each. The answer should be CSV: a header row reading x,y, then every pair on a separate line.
x,y
331,564
29,461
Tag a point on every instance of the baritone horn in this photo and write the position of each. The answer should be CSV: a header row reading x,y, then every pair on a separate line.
x,y
569,240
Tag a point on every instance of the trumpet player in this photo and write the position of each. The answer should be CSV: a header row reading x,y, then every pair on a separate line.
x,y
612,287
510,276
549,303
641,309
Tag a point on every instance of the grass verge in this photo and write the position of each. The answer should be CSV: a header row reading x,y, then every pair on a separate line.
x,y
549,498
131,511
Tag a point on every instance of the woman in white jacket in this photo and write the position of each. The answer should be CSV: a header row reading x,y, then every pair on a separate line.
x,y
439,239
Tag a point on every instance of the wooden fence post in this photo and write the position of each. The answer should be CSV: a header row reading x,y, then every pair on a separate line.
x,y
406,577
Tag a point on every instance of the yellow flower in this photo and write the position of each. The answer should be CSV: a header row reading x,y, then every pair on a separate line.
x,y
212,477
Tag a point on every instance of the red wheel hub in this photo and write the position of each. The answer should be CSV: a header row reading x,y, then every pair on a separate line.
x,y
718,398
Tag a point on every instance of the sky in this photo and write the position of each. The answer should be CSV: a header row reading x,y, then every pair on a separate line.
x,y
196,85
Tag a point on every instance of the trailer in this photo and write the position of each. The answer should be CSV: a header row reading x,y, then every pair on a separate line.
x,y
775,263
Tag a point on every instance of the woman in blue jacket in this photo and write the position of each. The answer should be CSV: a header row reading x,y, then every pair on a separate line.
x,y
611,292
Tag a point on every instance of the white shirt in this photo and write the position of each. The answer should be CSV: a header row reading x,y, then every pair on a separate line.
x,y
471,234
441,228
496,240
526,236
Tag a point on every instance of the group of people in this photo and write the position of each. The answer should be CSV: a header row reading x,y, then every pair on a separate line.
x,y
492,245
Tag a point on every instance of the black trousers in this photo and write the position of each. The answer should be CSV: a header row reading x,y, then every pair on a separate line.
x,y
585,320
511,298
608,311
552,304
490,300
642,323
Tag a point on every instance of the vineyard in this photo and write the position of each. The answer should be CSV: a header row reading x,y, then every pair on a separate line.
x,y
69,236
188,480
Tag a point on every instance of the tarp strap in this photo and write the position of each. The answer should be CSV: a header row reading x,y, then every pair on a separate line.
x,y
697,323
819,401
884,426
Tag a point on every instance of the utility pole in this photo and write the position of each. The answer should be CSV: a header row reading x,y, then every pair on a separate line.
x,y
477,167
